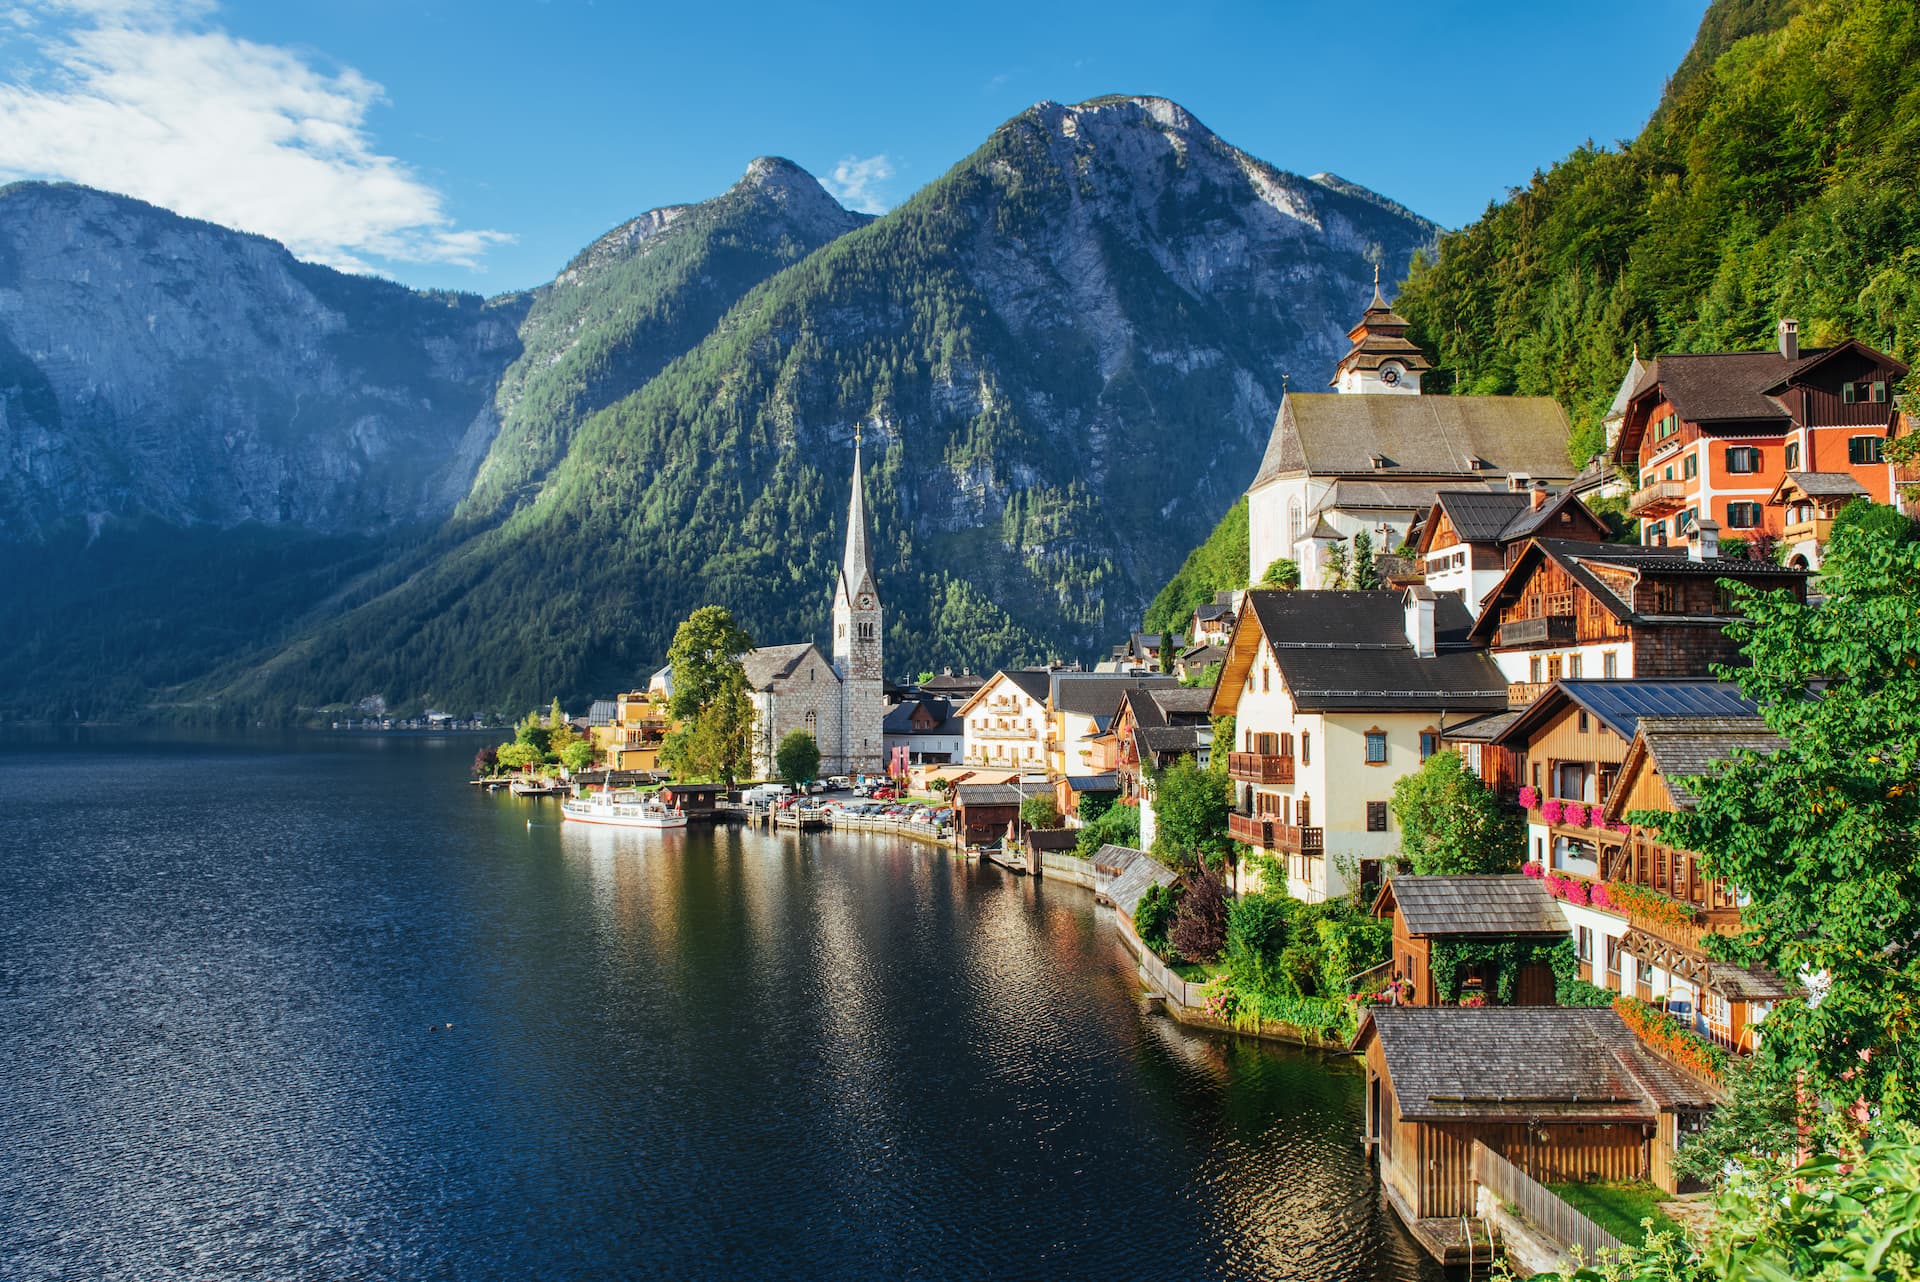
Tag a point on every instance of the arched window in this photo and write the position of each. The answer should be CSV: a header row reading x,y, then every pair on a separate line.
x,y
813,719
1293,521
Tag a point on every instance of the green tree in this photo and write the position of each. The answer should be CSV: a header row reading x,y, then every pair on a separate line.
x,y
1876,518
1820,832
1092,805
1282,573
1153,916
1190,808
533,735
705,656
1366,571
716,742
556,716
1166,652
1257,931
1119,826
516,755
1450,822
1039,811
562,738
797,759
1339,571
578,755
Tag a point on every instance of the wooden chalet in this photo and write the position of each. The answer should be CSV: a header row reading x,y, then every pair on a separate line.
x,y
1809,502
982,812
1469,909
1570,609
1659,955
1565,1094
1470,537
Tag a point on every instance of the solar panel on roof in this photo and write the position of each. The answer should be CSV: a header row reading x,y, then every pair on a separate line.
x,y
1621,704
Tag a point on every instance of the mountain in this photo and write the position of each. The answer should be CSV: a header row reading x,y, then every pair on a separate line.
x,y
1776,178
155,366
1065,354
204,441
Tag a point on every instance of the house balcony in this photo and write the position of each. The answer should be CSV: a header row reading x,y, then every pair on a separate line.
x,y
1522,693
1550,629
1816,530
1251,830
1259,767
998,732
1292,839
1662,498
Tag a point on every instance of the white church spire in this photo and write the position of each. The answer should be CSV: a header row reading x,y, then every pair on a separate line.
x,y
856,565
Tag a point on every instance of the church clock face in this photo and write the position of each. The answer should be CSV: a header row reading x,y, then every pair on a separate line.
x,y
1389,375
866,602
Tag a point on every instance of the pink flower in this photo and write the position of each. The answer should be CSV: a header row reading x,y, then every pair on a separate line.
x,y
1529,798
1533,869
1598,897
1553,811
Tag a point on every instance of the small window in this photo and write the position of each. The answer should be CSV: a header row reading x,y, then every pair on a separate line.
x,y
1553,667
1743,516
1668,473
1879,393
1683,521
1646,479
1376,747
1793,456
1429,743
1573,666
1690,467
1849,392
1743,458
1609,664
1583,946
1864,450
1306,748
1585,724
1376,816
1533,669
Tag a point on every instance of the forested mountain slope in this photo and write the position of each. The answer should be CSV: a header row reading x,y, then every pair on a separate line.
x,y
1065,355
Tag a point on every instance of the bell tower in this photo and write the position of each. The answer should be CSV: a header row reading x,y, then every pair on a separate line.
x,y
857,639
1383,359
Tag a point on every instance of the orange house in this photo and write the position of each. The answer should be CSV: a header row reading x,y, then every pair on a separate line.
x,y
1713,435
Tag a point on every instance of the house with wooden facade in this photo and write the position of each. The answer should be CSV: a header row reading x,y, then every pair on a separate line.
x,y
1808,502
1576,610
1439,921
1080,708
1657,904
1336,696
1711,436
984,813
1565,1094
1470,537
1154,727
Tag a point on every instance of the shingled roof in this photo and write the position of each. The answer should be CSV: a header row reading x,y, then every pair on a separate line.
x,y
1682,747
1478,516
1134,871
1523,1064
769,663
1823,485
1097,694
1472,905
1714,387
1479,437
1349,650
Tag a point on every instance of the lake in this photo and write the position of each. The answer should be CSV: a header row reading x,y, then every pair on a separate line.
x,y
227,966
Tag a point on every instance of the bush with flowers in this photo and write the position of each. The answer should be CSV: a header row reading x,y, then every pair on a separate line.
x,y
1645,901
1474,1001
1533,868
1672,1039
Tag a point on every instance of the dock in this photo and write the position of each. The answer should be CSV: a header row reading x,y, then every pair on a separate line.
x,y
801,818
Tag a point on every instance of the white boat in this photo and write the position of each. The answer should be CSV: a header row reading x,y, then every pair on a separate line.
x,y
622,810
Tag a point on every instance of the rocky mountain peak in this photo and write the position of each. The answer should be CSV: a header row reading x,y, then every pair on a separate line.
x,y
798,195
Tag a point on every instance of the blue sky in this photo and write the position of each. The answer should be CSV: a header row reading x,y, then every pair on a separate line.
x,y
478,145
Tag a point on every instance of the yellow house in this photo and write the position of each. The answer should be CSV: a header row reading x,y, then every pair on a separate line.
x,y
632,741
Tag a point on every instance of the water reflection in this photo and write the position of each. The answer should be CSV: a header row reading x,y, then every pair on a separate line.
x,y
679,1054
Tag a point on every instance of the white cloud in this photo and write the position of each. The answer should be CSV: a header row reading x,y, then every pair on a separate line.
x,y
856,183
138,97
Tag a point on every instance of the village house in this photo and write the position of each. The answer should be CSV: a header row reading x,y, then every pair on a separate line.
x,y
1191,664
1143,650
841,702
1080,708
1442,925
1571,609
630,738
1470,537
1808,502
983,813
1655,905
1374,455
1336,695
1153,728
1568,746
923,729
1213,621
1565,1094
1712,435
1005,722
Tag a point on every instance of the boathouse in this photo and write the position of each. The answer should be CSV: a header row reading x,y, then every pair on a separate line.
x,y
1564,1094
1455,919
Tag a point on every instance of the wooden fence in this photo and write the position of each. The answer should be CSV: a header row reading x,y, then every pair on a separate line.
x,y
1539,1204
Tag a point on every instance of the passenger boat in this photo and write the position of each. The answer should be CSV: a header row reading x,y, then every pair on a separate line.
x,y
622,810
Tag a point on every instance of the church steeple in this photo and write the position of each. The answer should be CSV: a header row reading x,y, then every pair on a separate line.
x,y
857,636
856,564
1383,358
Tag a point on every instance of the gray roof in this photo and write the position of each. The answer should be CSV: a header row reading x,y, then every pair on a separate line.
x,y
1746,983
1476,905
602,712
1530,521
899,719
1479,515
1175,701
1683,747
1481,729
1718,386
1635,372
1826,485
1331,434
1097,694
1137,870
1378,496
1349,650
769,663
1210,611
992,794
1031,682
1524,1063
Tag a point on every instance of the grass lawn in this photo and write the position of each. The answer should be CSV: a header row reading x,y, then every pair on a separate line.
x,y
1197,972
1619,1208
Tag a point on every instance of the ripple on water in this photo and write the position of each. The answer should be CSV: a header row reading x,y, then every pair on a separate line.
x,y
690,1055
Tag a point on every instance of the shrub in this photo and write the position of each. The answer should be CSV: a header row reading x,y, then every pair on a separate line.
x,y
485,762
1092,805
1257,928
1348,945
1153,915
1120,826
1038,811
1199,929
1450,822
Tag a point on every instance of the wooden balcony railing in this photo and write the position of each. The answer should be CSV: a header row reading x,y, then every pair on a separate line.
x,y
1251,830
1292,839
1551,629
1521,693
1259,767
1662,498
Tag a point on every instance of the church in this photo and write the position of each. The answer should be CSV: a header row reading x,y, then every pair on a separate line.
x,y
839,701
1373,453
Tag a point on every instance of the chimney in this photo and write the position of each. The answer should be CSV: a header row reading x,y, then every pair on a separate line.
x,y
1706,540
1790,338
1419,607
1517,482
1539,495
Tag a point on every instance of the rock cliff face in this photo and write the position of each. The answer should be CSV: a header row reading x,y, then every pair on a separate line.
x,y
1065,353
151,365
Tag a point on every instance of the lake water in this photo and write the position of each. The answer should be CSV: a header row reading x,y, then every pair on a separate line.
x,y
226,966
